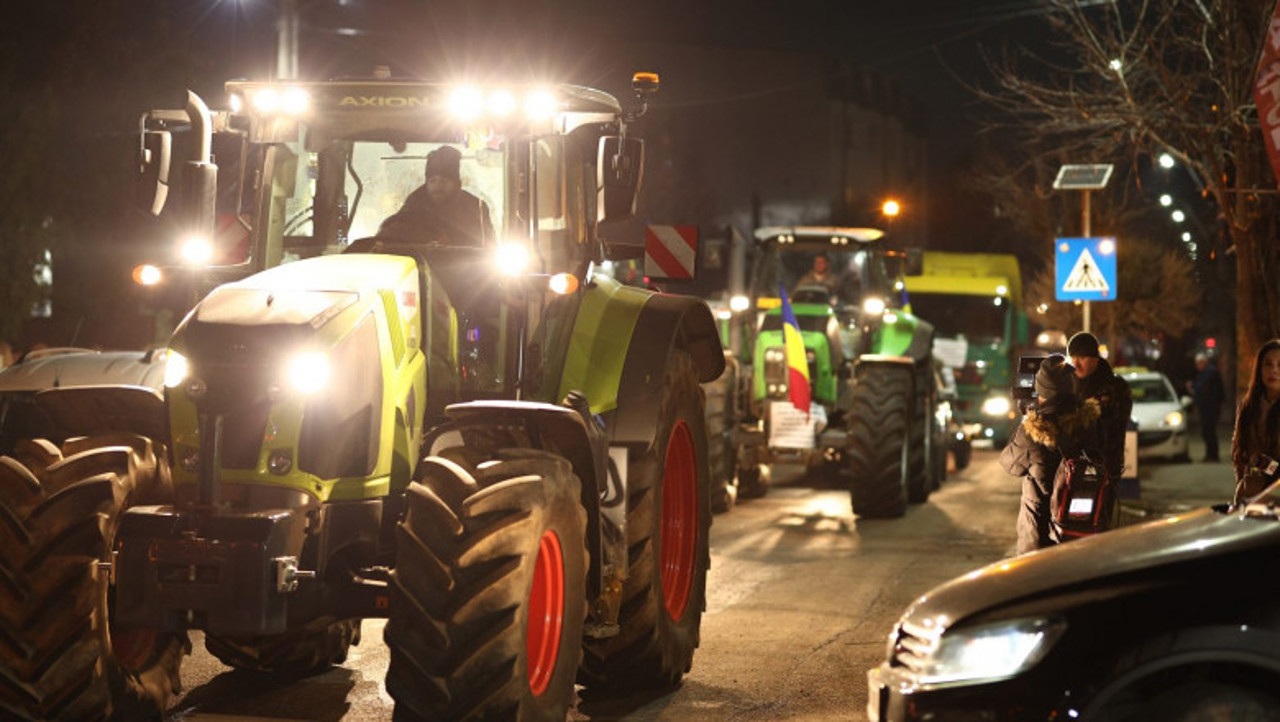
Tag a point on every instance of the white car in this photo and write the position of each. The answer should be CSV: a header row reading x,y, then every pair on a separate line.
x,y
1160,413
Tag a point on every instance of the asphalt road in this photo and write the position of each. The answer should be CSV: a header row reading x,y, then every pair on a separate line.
x,y
801,596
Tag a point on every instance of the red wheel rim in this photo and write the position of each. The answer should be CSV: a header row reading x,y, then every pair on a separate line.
x,y
546,612
679,520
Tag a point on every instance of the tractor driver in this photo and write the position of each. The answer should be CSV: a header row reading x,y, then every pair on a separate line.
x,y
440,211
820,275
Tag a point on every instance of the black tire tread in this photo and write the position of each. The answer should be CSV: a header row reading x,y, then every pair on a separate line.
x,y
878,420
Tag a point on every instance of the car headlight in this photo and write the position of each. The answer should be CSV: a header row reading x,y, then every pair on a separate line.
x,y
996,406
1173,419
175,369
309,372
988,653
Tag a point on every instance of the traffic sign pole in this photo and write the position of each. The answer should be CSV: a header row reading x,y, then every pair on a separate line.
x,y
1085,211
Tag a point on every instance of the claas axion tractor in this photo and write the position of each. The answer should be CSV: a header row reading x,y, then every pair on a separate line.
x,y
488,445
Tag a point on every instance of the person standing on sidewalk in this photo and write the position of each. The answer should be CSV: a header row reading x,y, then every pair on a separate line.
x,y
1095,380
1057,424
1257,431
1208,394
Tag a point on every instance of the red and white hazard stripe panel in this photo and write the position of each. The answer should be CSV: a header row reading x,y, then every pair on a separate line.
x,y
670,251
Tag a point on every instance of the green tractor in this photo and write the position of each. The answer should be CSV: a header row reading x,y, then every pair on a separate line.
x,y
873,390
490,446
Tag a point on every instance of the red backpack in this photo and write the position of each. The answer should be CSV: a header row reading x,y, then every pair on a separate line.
x,y
1084,499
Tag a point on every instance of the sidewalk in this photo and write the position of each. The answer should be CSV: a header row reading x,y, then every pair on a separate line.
x,y
1167,487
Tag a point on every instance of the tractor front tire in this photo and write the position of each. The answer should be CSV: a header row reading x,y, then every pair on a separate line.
x,y
63,658
668,525
879,422
488,595
304,651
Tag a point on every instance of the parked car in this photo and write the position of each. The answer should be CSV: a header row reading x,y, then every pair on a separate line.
x,y
1168,620
1160,413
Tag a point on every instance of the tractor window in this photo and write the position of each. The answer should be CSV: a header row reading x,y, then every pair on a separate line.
x,y
562,188
323,197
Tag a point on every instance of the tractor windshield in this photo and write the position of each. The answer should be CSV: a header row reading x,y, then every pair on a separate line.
x,y
326,194
820,274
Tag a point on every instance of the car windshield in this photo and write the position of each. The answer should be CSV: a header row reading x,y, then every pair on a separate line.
x,y
1150,390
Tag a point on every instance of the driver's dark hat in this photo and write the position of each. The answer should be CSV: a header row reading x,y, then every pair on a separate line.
x,y
444,162
1083,344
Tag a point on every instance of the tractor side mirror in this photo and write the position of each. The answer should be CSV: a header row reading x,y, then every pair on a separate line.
x,y
155,148
619,172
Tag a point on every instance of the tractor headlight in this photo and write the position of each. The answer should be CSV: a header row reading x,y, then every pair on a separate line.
x,y
774,355
987,653
996,406
175,369
196,250
739,304
309,372
873,305
511,258
1173,419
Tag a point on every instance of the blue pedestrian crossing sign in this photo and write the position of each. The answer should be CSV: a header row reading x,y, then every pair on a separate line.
x,y
1085,269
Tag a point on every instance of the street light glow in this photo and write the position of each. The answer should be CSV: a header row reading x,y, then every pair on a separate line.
x,y
1166,160
1116,64
1179,216
1166,200
1186,236
891,208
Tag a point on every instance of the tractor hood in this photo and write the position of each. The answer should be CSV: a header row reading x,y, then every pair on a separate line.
x,y
62,368
1122,555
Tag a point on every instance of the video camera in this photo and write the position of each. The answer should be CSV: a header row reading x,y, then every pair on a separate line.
x,y
1024,383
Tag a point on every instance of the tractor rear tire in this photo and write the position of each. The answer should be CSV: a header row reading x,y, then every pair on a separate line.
x,y
721,414
879,435
304,651
63,659
668,528
921,472
488,596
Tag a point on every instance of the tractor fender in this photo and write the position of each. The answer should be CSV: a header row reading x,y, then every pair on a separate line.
x,y
622,333
905,335
666,322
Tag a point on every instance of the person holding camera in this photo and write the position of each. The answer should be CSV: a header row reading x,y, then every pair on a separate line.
x,y
1056,424
1256,439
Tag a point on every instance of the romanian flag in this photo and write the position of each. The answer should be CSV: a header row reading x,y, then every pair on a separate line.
x,y
797,365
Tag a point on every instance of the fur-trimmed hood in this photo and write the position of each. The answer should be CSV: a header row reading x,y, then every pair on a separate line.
x,y
1046,430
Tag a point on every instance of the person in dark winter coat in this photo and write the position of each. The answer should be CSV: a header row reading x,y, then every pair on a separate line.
x,y
1095,380
1209,394
440,211
1057,424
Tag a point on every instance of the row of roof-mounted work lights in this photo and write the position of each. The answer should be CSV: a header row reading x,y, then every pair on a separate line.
x,y
472,103
467,103
272,100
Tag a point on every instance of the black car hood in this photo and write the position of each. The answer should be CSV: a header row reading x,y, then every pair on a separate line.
x,y
1193,536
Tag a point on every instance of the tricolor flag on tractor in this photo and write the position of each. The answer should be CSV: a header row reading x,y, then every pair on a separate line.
x,y
797,364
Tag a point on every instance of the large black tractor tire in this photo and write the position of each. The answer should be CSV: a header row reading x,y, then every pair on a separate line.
x,y
880,423
488,595
668,526
61,656
721,413
921,461
303,651
962,451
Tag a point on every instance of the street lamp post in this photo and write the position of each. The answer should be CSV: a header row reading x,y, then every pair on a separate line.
x,y
1084,178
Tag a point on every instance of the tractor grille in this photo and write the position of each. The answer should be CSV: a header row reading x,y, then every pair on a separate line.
x,y
910,646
